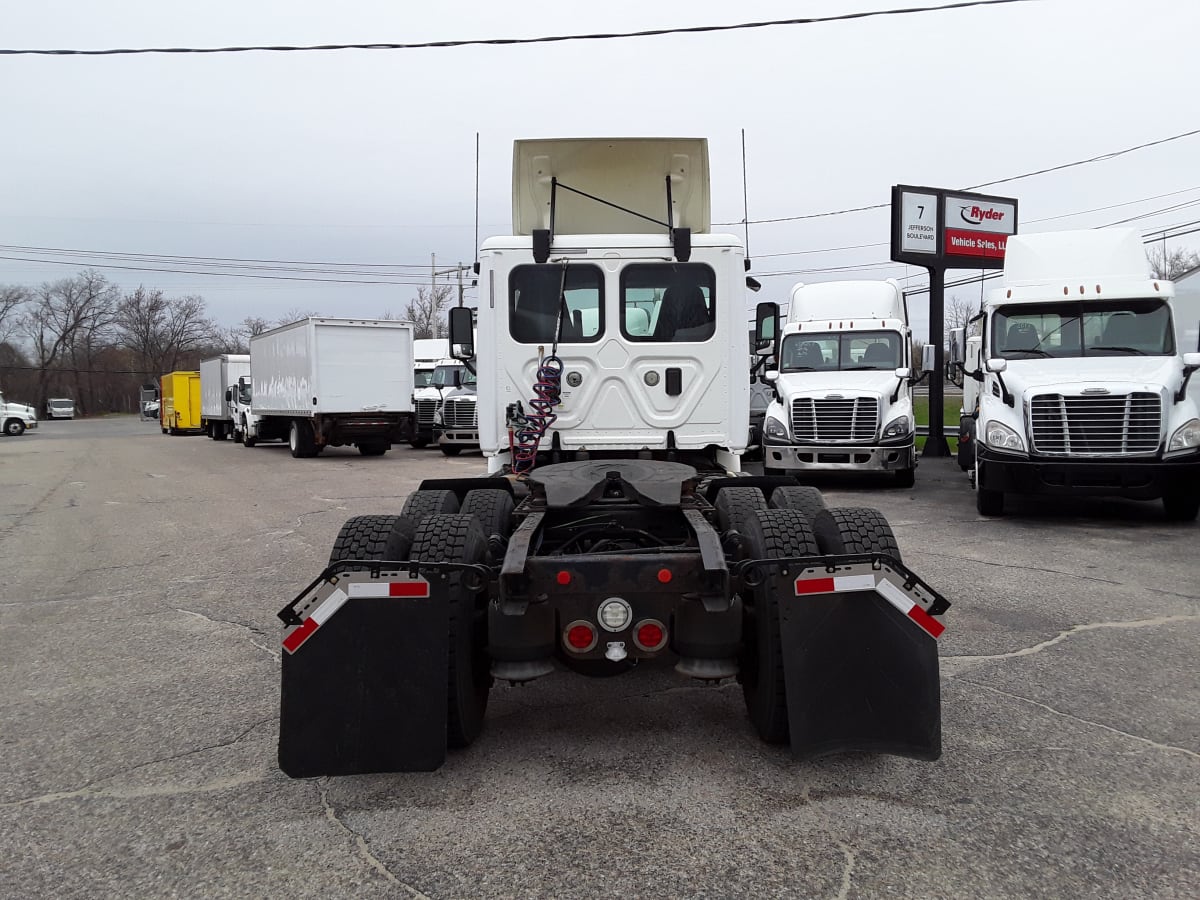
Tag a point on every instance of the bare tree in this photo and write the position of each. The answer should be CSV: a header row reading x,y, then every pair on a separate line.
x,y
295,314
1171,264
958,312
426,311
12,297
165,332
254,325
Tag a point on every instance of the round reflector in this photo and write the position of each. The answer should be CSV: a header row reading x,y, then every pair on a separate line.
x,y
650,635
563,577
615,614
664,575
581,636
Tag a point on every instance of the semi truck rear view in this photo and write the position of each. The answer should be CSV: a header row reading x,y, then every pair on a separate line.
x,y
1080,383
614,525
324,382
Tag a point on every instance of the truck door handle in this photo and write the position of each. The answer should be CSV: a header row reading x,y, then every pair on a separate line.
x,y
674,385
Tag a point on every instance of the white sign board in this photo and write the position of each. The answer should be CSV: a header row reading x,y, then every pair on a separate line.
x,y
918,223
971,214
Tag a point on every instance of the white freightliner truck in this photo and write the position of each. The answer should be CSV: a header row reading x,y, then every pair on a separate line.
x,y
324,382
427,399
843,388
614,525
218,376
456,422
427,354
1081,381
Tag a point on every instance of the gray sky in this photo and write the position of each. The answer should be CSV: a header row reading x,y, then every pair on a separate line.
x,y
368,157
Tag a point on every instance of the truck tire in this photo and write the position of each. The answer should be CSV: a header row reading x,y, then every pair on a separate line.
x,y
807,500
237,435
987,502
419,443
855,529
451,449
458,538
736,506
247,441
1181,503
301,440
373,538
374,448
492,507
420,505
906,478
222,432
770,534
14,427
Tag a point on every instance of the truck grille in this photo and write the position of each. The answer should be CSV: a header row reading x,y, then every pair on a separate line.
x,y
1097,425
425,411
853,420
460,414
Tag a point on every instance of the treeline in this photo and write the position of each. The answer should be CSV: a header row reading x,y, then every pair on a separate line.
x,y
87,339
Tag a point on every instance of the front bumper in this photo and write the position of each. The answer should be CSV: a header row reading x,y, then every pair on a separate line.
x,y
1137,479
457,436
850,457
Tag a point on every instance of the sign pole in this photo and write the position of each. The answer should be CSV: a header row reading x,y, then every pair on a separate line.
x,y
936,443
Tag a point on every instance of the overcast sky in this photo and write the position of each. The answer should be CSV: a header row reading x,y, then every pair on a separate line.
x,y
368,157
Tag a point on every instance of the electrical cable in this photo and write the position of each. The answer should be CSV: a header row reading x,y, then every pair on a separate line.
x,y
498,42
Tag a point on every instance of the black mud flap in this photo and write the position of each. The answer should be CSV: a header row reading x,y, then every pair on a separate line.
x,y
364,690
860,674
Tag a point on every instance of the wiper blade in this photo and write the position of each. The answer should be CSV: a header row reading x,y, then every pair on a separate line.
x,y
1033,350
863,369
798,369
1120,349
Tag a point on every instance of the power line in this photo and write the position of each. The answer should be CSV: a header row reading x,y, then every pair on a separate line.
x,y
495,42
1079,162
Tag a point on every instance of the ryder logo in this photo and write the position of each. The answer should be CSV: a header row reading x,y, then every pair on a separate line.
x,y
977,215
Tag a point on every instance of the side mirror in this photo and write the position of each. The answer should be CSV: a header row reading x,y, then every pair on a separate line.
x,y
1191,360
957,345
766,321
903,372
928,358
462,333
753,283
997,365
771,375
229,395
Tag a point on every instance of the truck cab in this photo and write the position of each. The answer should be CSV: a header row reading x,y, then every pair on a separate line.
x,y
1084,380
843,392
428,395
428,353
456,418
16,418
60,408
238,397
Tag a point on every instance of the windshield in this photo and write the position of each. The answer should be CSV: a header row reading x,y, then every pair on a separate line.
x,y
422,377
443,376
62,404
845,351
1087,328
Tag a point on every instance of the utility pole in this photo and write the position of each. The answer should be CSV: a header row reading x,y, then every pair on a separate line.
x,y
460,284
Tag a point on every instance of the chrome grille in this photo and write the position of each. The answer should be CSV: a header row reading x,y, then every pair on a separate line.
x,y
425,411
826,421
460,414
1096,425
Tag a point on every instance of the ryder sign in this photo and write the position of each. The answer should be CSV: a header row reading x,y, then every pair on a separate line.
x,y
950,229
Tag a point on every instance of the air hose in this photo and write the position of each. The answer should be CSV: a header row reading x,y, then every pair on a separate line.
x,y
526,430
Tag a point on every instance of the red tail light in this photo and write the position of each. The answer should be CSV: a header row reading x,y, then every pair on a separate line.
x,y
650,635
580,637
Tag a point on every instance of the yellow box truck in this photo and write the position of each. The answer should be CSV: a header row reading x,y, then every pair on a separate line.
x,y
179,408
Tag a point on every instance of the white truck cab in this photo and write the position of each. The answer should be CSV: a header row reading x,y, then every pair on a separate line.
x,y
16,418
843,391
456,419
60,408
428,354
1082,377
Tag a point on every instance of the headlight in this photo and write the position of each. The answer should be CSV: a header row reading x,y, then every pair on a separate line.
x,y
773,428
1002,437
1185,436
898,427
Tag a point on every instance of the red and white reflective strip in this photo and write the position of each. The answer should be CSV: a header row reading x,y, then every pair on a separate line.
x,y
295,638
838,584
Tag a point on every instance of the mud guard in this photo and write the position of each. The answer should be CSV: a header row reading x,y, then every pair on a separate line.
x,y
860,670
364,690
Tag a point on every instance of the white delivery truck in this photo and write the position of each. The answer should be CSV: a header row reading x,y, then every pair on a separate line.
x,y
324,382
843,391
60,408
1082,379
427,398
218,376
615,526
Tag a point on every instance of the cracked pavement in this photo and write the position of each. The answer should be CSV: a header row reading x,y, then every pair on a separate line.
x,y
140,663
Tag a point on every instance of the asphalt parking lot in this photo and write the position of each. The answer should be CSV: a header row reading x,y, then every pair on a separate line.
x,y
140,664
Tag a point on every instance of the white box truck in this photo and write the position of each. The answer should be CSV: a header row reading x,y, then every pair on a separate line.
x,y
324,382
843,391
218,377
1081,382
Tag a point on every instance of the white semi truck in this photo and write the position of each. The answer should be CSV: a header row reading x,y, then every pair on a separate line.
x,y
1081,380
324,382
218,376
614,526
456,422
843,388
427,399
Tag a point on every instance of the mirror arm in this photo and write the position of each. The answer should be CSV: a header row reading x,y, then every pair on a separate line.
x,y
1182,392
1008,398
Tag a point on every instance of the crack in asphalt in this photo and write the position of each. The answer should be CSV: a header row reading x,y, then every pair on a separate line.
x,y
1004,565
319,512
849,857
364,849
1058,712
964,664
89,789
255,632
